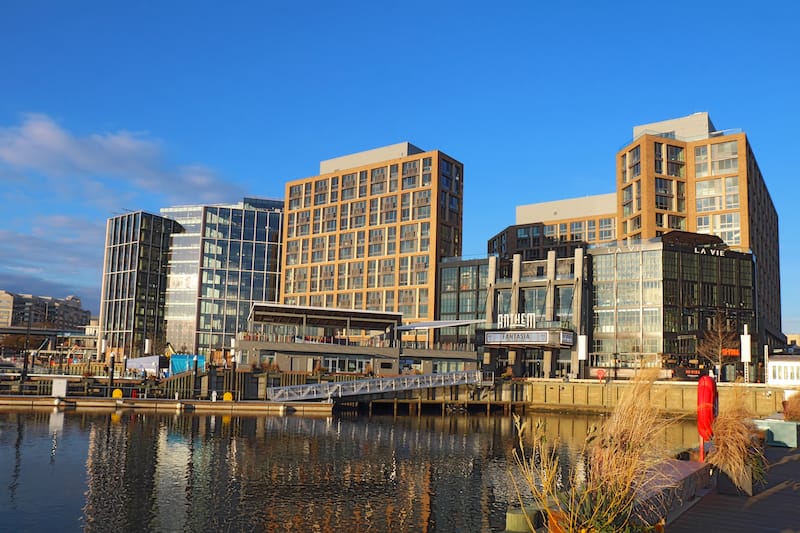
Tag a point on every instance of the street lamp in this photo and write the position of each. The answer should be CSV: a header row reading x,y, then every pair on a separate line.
x,y
194,378
111,373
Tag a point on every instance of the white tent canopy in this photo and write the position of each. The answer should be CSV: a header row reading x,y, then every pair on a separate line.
x,y
147,364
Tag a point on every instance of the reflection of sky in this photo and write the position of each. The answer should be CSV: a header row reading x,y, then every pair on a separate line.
x,y
171,472
43,478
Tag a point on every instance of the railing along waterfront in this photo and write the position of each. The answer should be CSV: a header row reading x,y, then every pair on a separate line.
x,y
328,391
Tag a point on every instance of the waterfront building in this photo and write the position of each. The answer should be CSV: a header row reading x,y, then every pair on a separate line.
x,y
653,301
133,294
680,174
685,174
226,258
316,340
644,304
27,309
528,313
368,232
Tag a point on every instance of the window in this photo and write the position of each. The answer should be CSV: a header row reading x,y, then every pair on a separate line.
x,y
634,168
576,231
606,229
724,157
659,166
701,161
663,202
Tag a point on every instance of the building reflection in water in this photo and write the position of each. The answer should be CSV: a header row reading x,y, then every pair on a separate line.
x,y
157,472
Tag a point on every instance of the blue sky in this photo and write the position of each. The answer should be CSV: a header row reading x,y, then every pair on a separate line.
x,y
114,106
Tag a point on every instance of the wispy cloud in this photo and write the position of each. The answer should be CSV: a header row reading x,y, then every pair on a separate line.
x,y
107,163
59,189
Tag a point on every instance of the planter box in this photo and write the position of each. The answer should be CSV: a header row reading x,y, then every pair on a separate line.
x,y
726,486
780,432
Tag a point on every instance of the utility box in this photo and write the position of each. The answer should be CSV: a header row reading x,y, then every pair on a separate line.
x,y
59,387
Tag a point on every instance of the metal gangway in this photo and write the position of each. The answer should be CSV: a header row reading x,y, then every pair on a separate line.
x,y
342,389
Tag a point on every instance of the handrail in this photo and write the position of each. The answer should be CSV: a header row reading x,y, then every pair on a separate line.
x,y
328,391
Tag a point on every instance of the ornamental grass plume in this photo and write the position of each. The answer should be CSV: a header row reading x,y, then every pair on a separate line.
x,y
791,408
615,485
737,451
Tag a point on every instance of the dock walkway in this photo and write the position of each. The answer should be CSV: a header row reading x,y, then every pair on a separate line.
x,y
774,509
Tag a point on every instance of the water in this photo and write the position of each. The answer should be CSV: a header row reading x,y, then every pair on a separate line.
x,y
135,471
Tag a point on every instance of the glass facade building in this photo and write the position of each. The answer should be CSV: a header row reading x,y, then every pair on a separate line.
x,y
132,304
227,257
652,301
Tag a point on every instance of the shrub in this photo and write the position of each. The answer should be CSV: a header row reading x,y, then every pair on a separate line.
x,y
737,451
617,464
791,408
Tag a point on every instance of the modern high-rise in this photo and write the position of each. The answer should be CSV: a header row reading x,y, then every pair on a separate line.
x,y
226,258
369,231
133,295
679,174
685,174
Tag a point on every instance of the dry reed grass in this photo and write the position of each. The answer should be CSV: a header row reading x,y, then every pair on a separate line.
x,y
736,449
791,408
619,463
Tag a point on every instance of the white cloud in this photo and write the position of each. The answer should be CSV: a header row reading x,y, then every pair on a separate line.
x,y
107,163
59,188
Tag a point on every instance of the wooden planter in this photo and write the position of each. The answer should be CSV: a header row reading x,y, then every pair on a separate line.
x,y
726,486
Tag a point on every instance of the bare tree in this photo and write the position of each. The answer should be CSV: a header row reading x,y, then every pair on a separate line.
x,y
717,339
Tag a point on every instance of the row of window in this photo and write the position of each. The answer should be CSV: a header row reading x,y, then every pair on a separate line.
x,y
580,230
412,303
389,272
378,242
375,181
723,160
375,212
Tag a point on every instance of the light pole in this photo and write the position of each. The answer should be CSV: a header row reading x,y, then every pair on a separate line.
x,y
111,374
194,378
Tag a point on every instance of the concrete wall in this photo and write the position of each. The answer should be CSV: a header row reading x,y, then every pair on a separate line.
x,y
670,396
600,204
368,157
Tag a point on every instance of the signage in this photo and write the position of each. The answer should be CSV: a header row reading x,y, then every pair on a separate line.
x,y
709,251
516,320
567,338
745,339
582,347
517,337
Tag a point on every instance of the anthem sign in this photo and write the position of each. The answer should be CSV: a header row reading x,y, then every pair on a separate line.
x,y
516,320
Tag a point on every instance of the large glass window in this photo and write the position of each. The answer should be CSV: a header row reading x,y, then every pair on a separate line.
x,y
563,303
503,301
724,157
534,301
701,161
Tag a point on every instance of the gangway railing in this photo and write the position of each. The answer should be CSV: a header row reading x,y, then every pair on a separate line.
x,y
329,391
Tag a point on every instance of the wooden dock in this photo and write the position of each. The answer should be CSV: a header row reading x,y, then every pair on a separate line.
x,y
247,407
418,406
773,509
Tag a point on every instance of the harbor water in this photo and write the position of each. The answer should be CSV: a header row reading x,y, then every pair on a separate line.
x,y
135,471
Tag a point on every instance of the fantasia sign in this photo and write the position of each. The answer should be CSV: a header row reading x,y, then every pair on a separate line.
x,y
517,337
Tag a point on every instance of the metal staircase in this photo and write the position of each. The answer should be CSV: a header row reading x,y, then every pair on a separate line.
x,y
363,387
